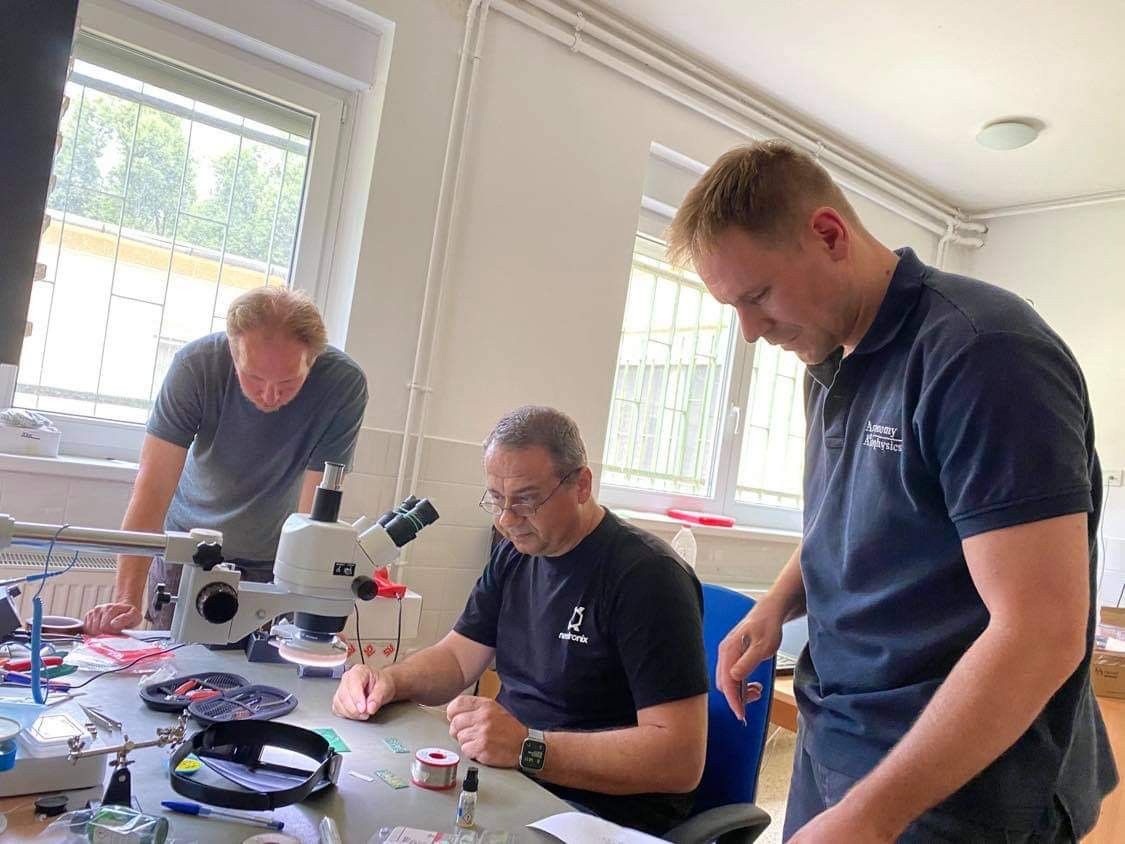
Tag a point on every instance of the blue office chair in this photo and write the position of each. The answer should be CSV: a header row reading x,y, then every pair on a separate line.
x,y
724,803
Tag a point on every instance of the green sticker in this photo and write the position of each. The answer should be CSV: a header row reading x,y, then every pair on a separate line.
x,y
395,746
391,779
333,739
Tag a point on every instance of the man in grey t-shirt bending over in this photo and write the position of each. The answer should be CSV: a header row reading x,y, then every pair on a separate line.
x,y
237,441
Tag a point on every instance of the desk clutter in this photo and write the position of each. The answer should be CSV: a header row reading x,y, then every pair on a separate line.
x,y
214,696
219,749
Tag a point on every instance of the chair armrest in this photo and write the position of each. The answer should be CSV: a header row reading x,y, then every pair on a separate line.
x,y
738,823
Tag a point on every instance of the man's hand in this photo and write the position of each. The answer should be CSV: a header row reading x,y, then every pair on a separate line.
x,y
755,638
111,619
486,731
362,692
844,822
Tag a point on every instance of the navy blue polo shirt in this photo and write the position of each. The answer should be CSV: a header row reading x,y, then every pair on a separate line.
x,y
959,412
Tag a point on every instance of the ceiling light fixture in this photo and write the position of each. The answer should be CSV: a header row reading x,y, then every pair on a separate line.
x,y
1011,133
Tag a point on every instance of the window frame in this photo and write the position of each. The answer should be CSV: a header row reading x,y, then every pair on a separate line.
x,y
85,436
735,401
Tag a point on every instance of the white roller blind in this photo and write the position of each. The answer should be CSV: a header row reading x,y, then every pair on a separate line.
x,y
668,178
187,83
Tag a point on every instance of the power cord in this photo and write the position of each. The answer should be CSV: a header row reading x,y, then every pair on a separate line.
x,y
358,637
398,635
39,692
89,680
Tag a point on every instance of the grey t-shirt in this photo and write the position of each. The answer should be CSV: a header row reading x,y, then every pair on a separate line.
x,y
244,467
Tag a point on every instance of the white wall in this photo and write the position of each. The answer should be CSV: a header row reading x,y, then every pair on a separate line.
x,y
555,167
557,149
1069,263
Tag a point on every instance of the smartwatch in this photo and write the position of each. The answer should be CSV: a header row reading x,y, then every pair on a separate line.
x,y
534,752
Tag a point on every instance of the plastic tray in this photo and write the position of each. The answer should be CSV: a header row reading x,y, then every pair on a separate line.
x,y
251,703
156,696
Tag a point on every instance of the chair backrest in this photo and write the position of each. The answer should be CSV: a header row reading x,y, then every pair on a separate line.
x,y
734,752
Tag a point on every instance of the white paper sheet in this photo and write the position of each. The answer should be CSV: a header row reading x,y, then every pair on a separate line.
x,y
577,828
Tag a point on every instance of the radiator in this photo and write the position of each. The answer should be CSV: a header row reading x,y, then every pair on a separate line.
x,y
90,582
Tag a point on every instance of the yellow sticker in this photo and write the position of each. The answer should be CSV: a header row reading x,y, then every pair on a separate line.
x,y
189,766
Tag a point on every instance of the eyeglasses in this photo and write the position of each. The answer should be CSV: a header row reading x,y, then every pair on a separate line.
x,y
521,509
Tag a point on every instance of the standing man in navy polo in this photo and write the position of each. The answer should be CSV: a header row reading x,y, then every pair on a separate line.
x,y
951,494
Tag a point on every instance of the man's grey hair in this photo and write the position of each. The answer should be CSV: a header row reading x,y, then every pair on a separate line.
x,y
534,425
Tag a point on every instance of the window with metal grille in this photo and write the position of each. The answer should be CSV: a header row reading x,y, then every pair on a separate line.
x,y
173,194
772,456
699,419
671,379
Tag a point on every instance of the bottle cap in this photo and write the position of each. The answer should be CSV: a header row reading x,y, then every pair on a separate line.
x,y
54,804
471,780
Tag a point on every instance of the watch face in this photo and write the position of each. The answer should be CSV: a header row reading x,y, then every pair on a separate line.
x,y
532,755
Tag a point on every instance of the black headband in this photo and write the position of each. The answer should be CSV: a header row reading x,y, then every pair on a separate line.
x,y
241,743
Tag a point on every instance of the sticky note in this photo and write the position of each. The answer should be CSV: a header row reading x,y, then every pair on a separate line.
x,y
333,739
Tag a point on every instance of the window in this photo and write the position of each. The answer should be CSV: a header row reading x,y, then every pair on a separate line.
x,y
164,208
772,457
173,192
698,418
672,374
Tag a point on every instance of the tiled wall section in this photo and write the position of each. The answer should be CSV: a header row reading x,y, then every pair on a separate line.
x,y
59,498
442,563
446,559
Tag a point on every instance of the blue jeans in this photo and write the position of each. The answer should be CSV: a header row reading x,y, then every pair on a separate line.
x,y
815,788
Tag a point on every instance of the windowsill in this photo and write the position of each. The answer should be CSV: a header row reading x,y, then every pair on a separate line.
x,y
660,520
71,467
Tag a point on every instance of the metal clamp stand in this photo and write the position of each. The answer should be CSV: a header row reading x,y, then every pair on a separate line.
x,y
119,789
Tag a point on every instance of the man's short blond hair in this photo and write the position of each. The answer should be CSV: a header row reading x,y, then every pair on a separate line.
x,y
766,188
278,310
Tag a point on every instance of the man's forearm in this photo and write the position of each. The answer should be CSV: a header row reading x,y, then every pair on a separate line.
x,y
431,677
132,574
986,703
788,592
132,571
630,760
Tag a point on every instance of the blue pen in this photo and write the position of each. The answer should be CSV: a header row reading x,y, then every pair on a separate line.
x,y
16,678
186,808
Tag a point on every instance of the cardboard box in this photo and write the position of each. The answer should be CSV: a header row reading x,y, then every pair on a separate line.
x,y
1108,666
36,442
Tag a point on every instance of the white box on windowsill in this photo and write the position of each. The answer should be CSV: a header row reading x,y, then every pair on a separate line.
x,y
35,442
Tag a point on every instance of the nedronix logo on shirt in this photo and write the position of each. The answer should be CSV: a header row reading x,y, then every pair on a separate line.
x,y
882,437
572,627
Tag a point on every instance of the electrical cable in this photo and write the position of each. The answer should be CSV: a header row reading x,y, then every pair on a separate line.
x,y
38,691
89,680
358,639
398,635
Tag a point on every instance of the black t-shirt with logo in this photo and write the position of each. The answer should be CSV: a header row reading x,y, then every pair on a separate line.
x,y
585,640
958,413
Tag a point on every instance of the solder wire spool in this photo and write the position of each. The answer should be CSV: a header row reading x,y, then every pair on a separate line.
x,y
434,768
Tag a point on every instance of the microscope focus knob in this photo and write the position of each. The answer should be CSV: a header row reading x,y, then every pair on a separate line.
x,y
364,588
217,602
207,555
162,597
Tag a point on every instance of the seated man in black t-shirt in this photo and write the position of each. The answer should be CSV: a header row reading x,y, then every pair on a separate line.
x,y
596,630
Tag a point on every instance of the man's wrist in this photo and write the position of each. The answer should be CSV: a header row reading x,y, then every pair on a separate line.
x,y
533,752
885,812
777,605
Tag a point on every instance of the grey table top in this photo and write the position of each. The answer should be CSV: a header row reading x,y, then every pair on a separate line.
x,y
507,799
